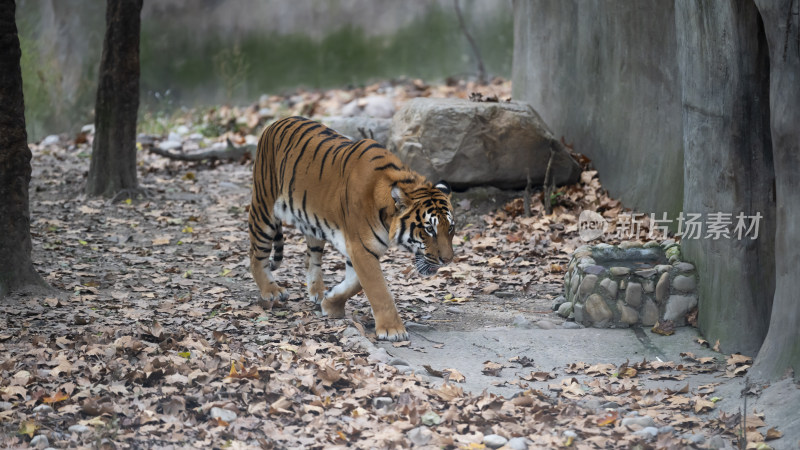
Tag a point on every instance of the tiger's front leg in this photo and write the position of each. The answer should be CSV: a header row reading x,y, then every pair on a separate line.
x,y
335,298
388,325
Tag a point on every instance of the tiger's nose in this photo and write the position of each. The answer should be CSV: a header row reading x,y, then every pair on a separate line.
x,y
445,259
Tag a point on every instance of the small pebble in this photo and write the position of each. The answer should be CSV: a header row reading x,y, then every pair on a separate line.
x,y
610,405
716,441
504,294
647,432
380,355
381,402
420,436
570,434
78,428
694,438
546,325
642,421
520,321
565,309
5,405
454,310
223,414
405,370
398,362
350,331
494,441
418,326
558,301
40,441
571,325
666,429
518,443
430,418
44,409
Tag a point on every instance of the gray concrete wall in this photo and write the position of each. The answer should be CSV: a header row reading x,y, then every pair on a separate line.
x,y
604,75
688,105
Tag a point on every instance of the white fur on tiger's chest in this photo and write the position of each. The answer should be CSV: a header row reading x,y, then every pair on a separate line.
x,y
311,227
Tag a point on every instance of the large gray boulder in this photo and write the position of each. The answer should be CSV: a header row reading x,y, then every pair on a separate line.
x,y
352,127
478,143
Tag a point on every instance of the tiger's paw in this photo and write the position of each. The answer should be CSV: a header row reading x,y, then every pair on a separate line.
x,y
316,293
331,309
397,333
273,293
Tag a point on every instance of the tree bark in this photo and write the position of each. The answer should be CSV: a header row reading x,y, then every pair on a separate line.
x,y
781,348
113,166
728,166
16,268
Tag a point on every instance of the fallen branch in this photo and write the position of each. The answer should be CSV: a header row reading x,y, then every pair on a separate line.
x,y
231,152
526,200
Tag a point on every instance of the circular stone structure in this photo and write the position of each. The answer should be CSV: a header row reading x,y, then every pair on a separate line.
x,y
629,284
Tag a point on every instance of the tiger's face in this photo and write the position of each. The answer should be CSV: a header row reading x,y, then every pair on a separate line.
x,y
425,225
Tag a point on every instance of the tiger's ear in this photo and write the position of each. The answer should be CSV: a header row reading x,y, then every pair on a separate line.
x,y
399,197
444,187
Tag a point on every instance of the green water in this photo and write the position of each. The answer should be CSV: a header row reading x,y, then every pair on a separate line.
x,y
179,67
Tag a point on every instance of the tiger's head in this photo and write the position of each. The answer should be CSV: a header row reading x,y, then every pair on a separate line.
x,y
425,225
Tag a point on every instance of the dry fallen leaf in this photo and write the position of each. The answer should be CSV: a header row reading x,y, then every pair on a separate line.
x,y
664,328
449,392
773,433
702,405
539,376
492,368
454,375
608,418
28,427
59,396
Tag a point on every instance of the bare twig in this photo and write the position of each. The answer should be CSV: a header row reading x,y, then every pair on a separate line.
x,y
472,44
526,199
549,184
742,442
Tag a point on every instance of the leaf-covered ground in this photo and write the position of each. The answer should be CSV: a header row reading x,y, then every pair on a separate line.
x,y
154,338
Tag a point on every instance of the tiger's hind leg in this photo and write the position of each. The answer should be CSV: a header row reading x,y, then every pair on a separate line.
x,y
316,287
266,237
335,298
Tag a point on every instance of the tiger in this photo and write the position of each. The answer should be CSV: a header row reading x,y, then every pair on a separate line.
x,y
355,195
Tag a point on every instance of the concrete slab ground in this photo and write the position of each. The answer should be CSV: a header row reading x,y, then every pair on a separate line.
x,y
553,350
549,350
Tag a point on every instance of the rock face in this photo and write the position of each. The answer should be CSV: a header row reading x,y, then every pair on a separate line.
x,y
478,143
375,128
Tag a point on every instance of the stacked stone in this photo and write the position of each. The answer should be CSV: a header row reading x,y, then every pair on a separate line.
x,y
602,292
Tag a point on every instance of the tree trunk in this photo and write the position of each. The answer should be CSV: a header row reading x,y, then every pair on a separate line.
x,y
781,348
16,269
113,167
728,167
